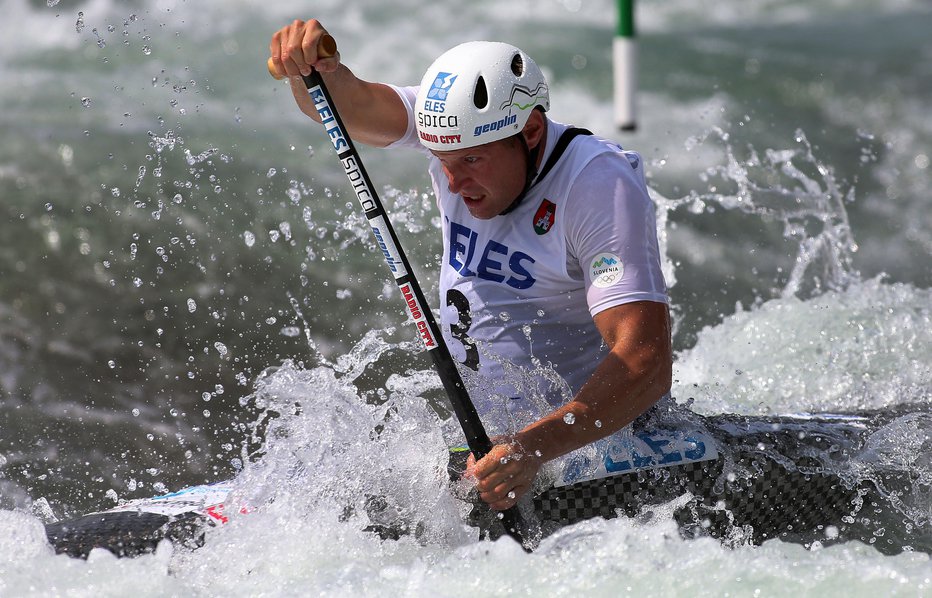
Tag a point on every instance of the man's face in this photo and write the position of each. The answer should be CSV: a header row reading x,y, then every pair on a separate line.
x,y
488,177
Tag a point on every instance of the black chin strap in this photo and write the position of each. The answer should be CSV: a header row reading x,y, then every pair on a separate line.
x,y
532,177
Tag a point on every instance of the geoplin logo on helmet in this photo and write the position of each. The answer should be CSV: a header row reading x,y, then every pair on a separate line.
x,y
501,123
606,269
441,86
545,217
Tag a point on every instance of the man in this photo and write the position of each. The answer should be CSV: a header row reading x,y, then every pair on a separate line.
x,y
551,285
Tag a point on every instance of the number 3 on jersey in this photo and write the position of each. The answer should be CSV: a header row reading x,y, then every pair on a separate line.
x,y
460,328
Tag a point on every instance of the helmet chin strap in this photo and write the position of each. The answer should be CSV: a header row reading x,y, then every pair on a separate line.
x,y
531,156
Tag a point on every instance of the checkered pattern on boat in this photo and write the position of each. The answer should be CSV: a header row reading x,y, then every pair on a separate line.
x,y
773,500
624,494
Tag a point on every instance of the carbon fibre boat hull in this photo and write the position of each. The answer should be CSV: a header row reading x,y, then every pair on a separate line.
x,y
806,479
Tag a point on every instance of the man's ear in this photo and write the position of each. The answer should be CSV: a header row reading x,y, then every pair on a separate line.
x,y
534,128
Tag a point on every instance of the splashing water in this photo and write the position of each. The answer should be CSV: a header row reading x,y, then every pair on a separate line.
x,y
328,436
323,443
845,350
824,343
788,186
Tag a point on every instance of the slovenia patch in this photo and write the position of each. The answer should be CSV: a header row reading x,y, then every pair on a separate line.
x,y
606,269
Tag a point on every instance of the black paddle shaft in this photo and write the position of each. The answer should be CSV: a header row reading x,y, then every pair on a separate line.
x,y
476,437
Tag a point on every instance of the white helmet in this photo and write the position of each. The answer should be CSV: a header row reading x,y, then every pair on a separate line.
x,y
477,93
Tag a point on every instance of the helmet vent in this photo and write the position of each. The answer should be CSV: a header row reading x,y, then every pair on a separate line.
x,y
517,65
481,95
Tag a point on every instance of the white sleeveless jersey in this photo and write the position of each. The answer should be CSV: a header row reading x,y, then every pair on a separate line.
x,y
518,291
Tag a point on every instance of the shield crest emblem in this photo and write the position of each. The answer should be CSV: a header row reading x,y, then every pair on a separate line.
x,y
545,217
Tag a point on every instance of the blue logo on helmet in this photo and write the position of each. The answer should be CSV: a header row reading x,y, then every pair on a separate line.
x,y
441,86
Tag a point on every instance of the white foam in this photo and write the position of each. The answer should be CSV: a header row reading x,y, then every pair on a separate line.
x,y
845,350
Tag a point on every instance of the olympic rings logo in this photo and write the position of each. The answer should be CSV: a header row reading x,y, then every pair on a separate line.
x,y
607,279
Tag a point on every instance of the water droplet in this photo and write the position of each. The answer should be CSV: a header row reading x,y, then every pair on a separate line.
x,y
221,348
135,412
249,238
79,25
192,306
86,102
598,423
53,2
569,418
100,41
146,50
512,495
112,364
504,316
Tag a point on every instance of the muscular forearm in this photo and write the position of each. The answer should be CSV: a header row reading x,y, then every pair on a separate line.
x,y
610,400
372,112
634,375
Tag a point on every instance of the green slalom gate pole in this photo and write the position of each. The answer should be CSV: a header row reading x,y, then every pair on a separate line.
x,y
624,66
